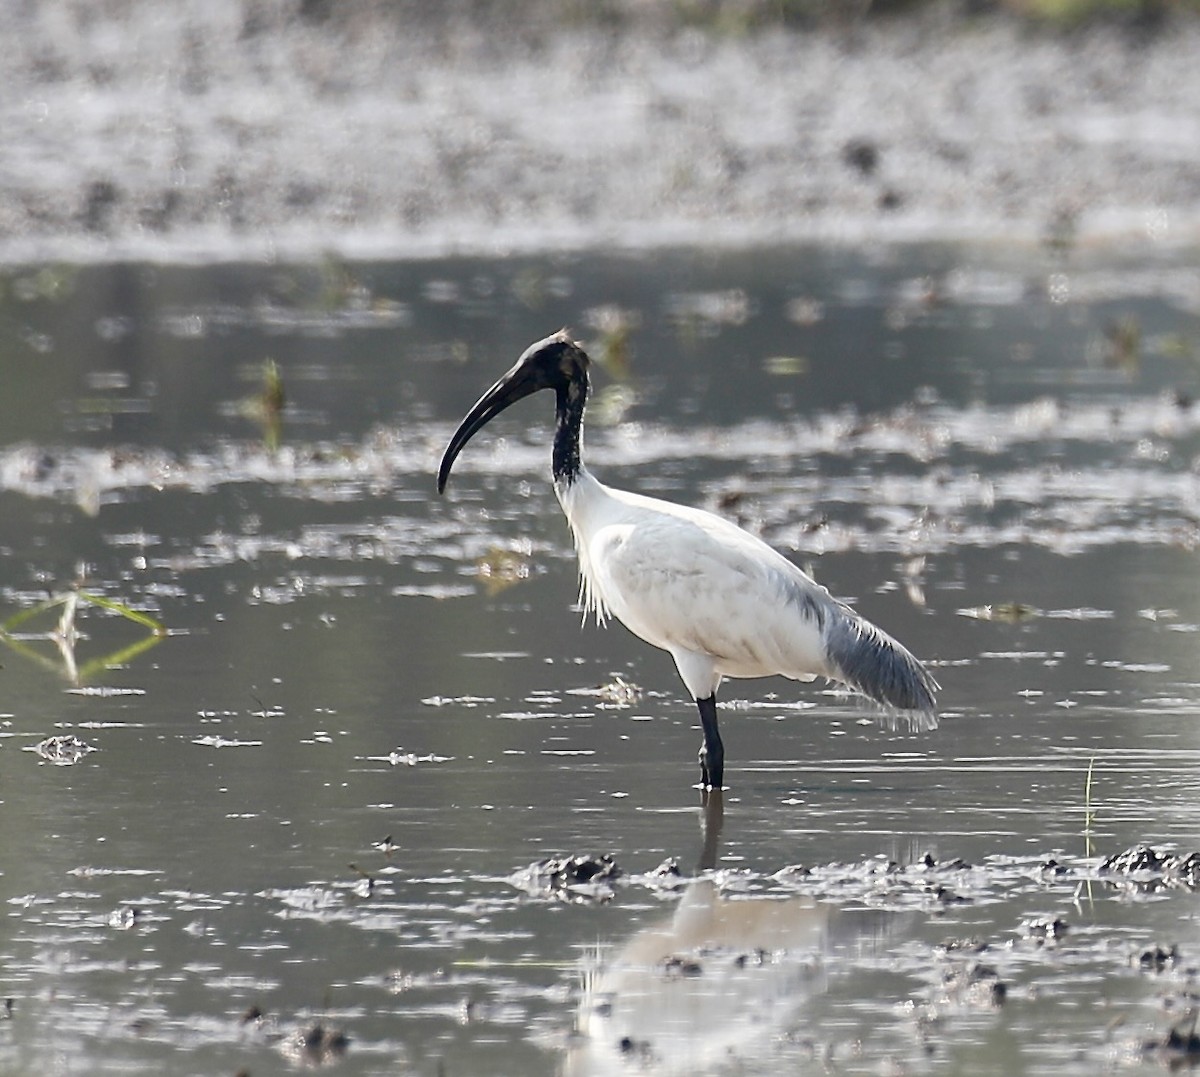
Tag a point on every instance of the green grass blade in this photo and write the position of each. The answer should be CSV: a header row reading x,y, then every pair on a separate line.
x,y
155,626
21,616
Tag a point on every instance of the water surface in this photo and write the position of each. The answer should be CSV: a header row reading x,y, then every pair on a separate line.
x,y
301,837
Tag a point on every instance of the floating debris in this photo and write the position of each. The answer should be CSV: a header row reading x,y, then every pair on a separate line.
x,y
124,918
457,701
225,742
62,751
1179,1047
1045,931
1080,613
674,966
581,877
500,569
931,863
316,1044
408,759
617,693
786,365
1012,612
251,1015
1149,869
1156,958
666,876
973,986
101,873
432,590
972,945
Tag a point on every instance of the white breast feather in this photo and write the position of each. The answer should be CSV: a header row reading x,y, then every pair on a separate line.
x,y
681,578
720,593
591,599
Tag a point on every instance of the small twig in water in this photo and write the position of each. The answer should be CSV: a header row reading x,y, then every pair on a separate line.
x,y
1089,818
1088,814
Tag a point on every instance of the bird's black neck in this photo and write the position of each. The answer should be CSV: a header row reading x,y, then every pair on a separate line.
x,y
571,399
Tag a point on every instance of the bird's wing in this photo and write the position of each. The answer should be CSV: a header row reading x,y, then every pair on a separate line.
x,y
687,580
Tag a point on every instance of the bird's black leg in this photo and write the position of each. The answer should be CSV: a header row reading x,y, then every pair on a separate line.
x,y
712,751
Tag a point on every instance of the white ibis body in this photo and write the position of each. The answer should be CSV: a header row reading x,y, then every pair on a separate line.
x,y
720,600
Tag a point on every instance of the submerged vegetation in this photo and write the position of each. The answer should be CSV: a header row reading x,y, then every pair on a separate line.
x,y
65,635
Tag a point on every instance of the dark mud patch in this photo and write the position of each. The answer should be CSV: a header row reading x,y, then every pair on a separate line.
x,y
1148,869
578,877
748,962
884,883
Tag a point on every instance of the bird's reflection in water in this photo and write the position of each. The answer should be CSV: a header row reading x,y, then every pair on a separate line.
x,y
717,982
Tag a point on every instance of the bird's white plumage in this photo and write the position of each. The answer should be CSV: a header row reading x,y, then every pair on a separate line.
x,y
720,600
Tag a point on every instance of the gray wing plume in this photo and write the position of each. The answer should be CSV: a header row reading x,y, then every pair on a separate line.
x,y
871,662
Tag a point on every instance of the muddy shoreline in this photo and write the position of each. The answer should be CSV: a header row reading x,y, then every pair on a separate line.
x,y
226,131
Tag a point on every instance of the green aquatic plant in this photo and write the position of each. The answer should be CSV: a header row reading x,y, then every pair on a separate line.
x,y
70,600
65,635
266,406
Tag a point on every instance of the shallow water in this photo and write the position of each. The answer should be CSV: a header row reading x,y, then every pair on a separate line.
x,y
993,455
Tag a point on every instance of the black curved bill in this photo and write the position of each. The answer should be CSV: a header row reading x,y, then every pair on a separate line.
x,y
517,384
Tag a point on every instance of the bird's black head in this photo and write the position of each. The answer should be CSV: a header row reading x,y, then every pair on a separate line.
x,y
557,363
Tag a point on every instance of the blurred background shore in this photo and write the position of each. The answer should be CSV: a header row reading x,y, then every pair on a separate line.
x,y
292,128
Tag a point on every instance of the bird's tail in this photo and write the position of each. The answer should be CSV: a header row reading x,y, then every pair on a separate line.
x,y
868,660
